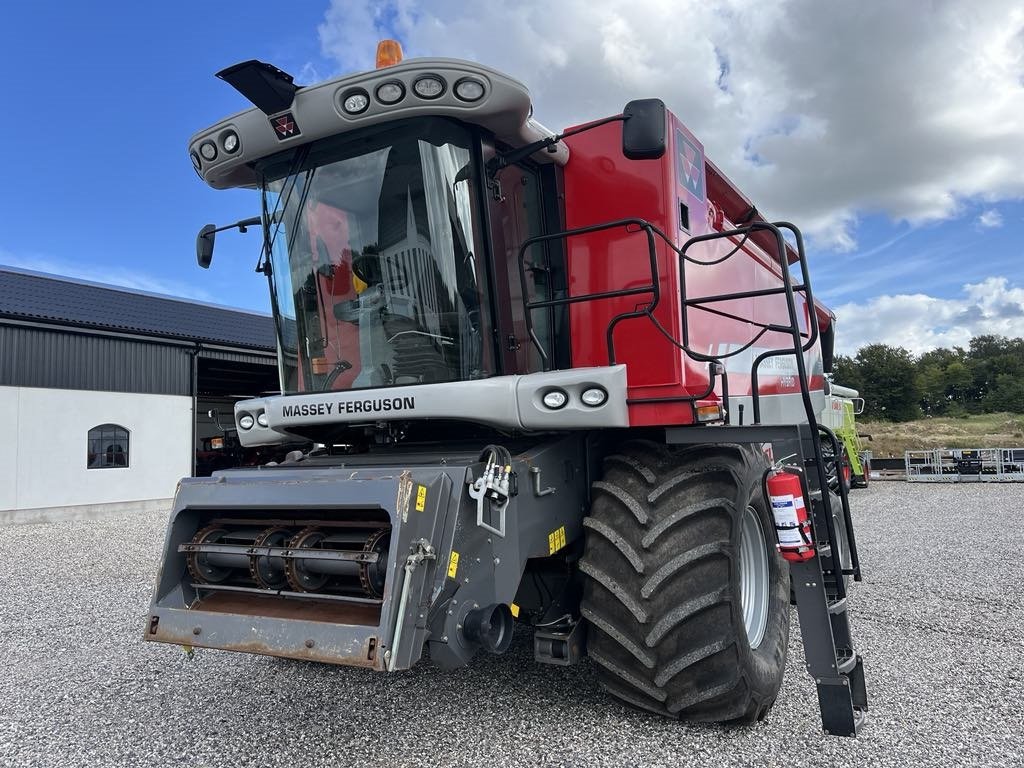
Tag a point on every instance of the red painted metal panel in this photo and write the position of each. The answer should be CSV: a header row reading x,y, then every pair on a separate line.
x,y
684,196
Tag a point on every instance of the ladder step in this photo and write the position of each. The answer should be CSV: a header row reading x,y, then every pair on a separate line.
x,y
846,661
860,716
838,606
840,715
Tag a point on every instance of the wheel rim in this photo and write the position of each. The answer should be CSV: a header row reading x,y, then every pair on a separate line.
x,y
753,577
837,523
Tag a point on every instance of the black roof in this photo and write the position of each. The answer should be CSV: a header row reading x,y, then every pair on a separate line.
x,y
33,296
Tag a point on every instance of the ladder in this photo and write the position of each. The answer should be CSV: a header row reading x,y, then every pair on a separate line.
x,y
818,584
819,588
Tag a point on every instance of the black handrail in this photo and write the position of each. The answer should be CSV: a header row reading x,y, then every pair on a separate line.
x,y
716,367
654,288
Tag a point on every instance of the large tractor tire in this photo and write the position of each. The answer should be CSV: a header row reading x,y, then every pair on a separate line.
x,y
862,481
686,596
833,473
839,523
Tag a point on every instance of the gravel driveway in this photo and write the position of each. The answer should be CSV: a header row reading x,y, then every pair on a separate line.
x,y
939,619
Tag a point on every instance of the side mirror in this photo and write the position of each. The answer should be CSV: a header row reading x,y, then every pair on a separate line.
x,y
215,415
204,245
828,348
644,129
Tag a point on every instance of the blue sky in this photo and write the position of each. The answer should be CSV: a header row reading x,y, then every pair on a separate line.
x,y
99,183
903,209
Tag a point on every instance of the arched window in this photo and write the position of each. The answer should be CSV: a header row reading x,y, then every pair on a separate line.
x,y
108,447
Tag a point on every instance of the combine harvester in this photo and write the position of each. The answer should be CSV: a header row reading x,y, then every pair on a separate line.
x,y
566,380
842,406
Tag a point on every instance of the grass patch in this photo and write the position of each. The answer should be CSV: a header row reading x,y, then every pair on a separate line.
x,y
987,430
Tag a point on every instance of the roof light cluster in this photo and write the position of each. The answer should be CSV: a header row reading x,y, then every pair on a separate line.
x,y
228,142
426,87
394,89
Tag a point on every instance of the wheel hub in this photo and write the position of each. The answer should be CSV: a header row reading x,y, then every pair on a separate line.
x,y
754,583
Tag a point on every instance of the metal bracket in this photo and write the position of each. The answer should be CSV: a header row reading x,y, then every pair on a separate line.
x,y
495,187
424,551
560,647
535,474
493,485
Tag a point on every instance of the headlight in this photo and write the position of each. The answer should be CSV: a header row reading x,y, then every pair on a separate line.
x,y
196,162
261,419
390,93
428,87
230,142
594,397
245,421
469,89
555,399
208,150
355,102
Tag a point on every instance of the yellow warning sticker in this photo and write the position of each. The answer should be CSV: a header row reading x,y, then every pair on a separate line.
x,y
556,540
421,497
515,610
453,564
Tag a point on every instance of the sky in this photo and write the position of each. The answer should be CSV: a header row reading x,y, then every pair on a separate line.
x,y
891,133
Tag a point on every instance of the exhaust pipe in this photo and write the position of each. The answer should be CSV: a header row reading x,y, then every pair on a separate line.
x,y
491,627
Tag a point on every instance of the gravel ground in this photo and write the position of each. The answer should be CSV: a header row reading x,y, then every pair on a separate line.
x,y
939,619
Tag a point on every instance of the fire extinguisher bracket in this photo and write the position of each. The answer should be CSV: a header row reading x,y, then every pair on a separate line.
x,y
788,498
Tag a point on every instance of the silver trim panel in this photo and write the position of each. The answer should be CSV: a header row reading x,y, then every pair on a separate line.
x,y
510,402
776,409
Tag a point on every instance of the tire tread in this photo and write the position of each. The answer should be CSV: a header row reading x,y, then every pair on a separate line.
x,y
657,568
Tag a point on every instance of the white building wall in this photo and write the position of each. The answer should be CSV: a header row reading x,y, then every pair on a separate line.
x,y
9,413
48,453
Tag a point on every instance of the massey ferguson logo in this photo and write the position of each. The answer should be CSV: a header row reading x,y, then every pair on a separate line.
x,y
377,405
690,165
285,126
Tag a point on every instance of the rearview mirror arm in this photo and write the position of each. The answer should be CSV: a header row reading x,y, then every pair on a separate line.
x,y
504,160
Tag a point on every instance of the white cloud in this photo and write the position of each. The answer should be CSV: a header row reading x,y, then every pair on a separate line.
x,y
919,322
821,112
990,219
139,281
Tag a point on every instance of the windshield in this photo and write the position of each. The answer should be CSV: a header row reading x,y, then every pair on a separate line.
x,y
373,249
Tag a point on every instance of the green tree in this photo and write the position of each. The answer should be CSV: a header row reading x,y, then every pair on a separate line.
x,y
889,379
990,357
988,376
931,382
959,380
1006,395
846,373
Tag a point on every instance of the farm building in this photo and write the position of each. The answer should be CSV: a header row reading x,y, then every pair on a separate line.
x,y
105,391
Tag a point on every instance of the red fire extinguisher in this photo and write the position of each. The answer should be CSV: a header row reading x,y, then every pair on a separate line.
x,y
792,523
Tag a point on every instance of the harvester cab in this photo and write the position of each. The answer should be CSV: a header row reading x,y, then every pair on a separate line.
x,y
544,376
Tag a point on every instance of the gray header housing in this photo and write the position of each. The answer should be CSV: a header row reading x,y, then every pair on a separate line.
x,y
504,109
509,402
